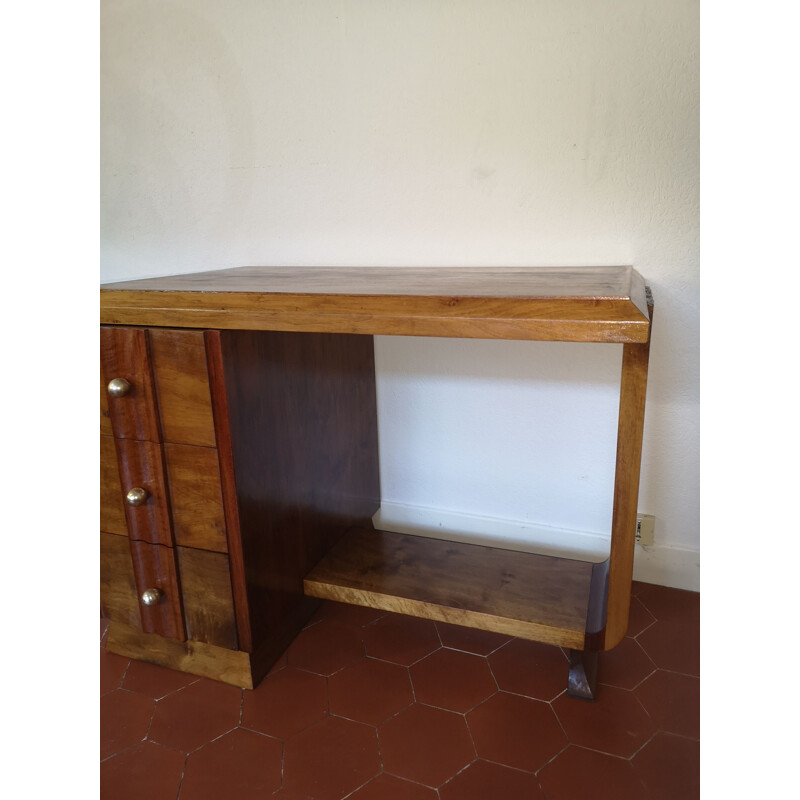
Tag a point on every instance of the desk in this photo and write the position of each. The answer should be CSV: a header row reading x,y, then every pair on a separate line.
x,y
239,460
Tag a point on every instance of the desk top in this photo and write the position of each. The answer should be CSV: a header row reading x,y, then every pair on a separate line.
x,y
586,304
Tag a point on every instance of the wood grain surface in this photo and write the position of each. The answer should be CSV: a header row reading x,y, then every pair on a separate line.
x,y
118,598
154,567
112,507
603,304
519,594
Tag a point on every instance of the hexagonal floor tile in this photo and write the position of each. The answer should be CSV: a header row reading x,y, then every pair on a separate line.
x,y
124,720
192,716
639,618
285,703
470,640
673,646
154,681
626,666
370,691
425,745
348,614
452,680
146,770
669,767
673,702
577,772
331,759
482,780
614,723
388,787
240,764
530,668
401,639
516,731
326,647
112,670
670,605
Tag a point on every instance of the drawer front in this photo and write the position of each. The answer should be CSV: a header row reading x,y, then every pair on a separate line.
x,y
124,357
207,598
184,397
112,507
118,598
141,467
198,518
157,589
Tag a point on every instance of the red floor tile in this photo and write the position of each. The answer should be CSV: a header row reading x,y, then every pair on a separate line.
x,y
103,628
669,767
326,647
485,781
331,759
285,703
387,787
147,770
196,714
370,691
401,639
673,702
673,646
613,723
579,773
241,764
124,720
452,680
154,681
516,731
471,640
347,614
626,666
670,605
530,668
112,670
639,618
425,745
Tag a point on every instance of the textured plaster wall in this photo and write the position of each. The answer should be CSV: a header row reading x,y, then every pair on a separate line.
x,y
510,132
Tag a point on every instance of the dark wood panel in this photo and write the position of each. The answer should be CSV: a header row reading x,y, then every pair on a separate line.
x,y
184,399
141,466
304,447
519,594
118,598
207,599
124,353
154,567
105,419
198,519
112,508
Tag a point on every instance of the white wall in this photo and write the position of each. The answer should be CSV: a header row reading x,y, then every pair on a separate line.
x,y
425,132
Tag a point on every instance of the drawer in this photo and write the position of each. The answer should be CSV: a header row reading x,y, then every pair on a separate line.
x,y
118,598
142,471
183,394
125,361
207,599
198,518
112,507
157,589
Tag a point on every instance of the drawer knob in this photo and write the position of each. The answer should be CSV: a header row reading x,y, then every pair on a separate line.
x,y
152,597
119,387
137,496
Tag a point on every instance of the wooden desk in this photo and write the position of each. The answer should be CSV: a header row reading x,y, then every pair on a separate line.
x,y
241,405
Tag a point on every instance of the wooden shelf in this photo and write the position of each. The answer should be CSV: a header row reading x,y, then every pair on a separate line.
x,y
536,597
581,304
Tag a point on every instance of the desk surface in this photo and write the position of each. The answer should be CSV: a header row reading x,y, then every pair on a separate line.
x,y
592,304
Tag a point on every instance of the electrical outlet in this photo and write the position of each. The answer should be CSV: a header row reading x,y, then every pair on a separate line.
x,y
645,529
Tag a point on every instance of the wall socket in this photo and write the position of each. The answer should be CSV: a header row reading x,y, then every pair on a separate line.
x,y
645,529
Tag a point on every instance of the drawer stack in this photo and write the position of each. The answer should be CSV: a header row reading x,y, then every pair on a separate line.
x,y
164,550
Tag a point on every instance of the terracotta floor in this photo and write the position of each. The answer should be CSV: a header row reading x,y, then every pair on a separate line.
x,y
373,706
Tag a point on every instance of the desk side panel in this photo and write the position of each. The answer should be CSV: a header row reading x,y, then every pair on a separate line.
x,y
303,433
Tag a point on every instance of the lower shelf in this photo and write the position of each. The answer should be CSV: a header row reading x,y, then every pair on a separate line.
x,y
543,598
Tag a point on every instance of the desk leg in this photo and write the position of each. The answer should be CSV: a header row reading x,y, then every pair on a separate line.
x,y
582,674
626,489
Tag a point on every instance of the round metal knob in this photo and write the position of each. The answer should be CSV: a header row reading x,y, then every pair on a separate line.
x,y
152,597
119,387
137,496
